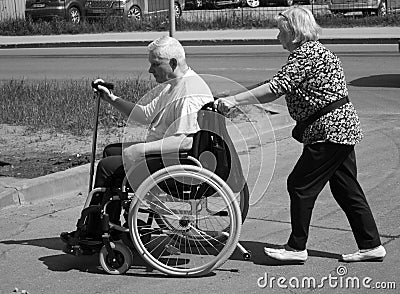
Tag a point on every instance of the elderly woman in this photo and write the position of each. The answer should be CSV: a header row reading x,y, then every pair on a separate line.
x,y
327,123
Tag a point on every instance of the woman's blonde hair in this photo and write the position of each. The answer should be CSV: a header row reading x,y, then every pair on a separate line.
x,y
300,23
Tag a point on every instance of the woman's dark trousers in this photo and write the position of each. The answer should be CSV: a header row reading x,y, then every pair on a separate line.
x,y
334,163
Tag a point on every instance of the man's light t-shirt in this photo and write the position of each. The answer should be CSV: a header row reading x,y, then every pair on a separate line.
x,y
174,110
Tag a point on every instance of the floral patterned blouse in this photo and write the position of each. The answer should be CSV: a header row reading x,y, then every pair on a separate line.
x,y
312,78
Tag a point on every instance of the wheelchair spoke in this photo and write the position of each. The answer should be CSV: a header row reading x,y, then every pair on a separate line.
x,y
201,233
159,205
173,250
203,247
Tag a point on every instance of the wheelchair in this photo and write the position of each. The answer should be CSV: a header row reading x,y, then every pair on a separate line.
x,y
182,220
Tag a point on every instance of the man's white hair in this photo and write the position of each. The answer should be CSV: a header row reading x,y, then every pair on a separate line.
x,y
167,47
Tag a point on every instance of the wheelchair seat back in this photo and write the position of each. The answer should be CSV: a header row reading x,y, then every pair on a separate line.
x,y
213,147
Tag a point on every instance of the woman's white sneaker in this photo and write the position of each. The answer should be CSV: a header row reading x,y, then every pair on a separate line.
x,y
287,254
374,254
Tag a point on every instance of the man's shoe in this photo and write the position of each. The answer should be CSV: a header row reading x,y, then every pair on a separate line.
x,y
374,254
73,238
287,254
68,238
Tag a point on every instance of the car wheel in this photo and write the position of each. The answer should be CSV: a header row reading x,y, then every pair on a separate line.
x,y
135,13
381,9
253,3
288,2
74,15
198,4
178,10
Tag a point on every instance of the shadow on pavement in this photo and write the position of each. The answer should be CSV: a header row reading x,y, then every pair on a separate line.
x,y
258,256
386,80
61,262
84,263
90,263
65,263
49,243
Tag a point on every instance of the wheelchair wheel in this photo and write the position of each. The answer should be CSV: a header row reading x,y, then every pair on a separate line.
x,y
193,234
123,259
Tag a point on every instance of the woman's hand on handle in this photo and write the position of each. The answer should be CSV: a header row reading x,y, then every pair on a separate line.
x,y
225,104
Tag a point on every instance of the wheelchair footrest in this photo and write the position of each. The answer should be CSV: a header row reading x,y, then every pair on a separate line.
x,y
78,250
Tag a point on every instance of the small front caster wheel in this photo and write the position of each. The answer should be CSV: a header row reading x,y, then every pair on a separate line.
x,y
247,255
122,262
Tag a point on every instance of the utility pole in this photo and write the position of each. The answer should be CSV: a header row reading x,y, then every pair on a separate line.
x,y
171,18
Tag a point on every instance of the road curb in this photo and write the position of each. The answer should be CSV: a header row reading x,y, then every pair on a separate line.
x,y
76,179
143,43
54,185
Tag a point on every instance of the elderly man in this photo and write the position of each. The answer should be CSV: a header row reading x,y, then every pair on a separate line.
x,y
171,118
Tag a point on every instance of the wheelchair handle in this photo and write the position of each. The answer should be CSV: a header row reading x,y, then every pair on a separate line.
x,y
210,106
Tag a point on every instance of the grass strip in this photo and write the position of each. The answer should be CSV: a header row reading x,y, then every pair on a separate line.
x,y
62,106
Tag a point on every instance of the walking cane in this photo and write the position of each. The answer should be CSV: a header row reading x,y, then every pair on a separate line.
x,y
94,141
96,124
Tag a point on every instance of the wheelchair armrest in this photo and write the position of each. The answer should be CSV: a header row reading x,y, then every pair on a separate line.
x,y
182,155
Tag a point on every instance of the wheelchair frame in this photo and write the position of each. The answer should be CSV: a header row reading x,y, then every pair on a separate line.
x,y
188,230
188,248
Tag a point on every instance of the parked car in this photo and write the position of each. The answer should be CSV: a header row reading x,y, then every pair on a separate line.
x,y
213,4
76,10
216,4
134,9
71,10
367,7
194,4
257,3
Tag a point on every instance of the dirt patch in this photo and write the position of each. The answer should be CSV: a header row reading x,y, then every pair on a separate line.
x,y
29,154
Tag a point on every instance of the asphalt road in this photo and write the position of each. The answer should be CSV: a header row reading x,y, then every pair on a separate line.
x,y
244,64
31,252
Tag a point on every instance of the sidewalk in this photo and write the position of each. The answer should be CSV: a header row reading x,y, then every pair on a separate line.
x,y
359,35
